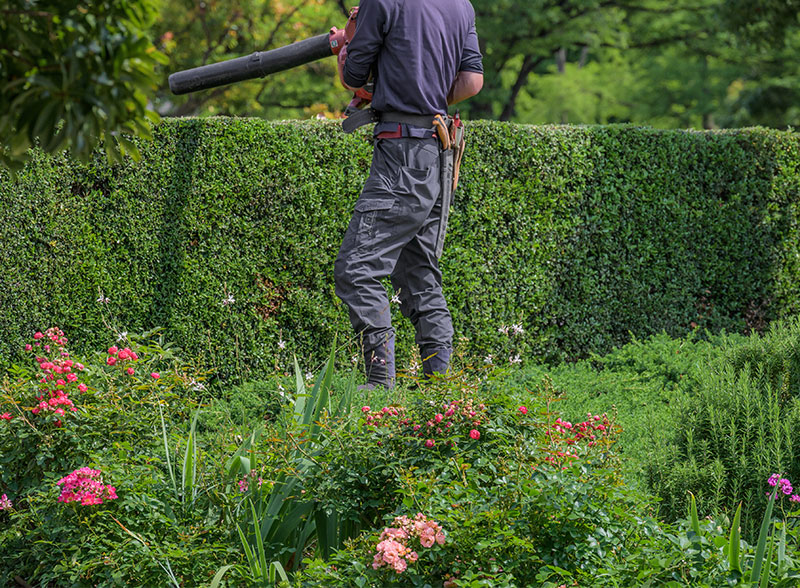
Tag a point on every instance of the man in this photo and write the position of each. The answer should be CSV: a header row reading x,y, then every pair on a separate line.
x,y
424,56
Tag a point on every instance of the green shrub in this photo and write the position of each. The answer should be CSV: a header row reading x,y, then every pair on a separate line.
x,y
226,231
736,427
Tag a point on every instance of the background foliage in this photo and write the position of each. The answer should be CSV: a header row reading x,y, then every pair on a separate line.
x,y
225,234
73,71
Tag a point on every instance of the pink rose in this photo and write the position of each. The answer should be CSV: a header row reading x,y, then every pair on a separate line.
x,y
111,360
112,350
475,434
523,410
82,387
155,375
429,443
365,409
130,371
28,347
37,335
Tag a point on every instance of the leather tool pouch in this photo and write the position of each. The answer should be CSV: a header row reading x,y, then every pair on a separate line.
x,y
446,176
450,161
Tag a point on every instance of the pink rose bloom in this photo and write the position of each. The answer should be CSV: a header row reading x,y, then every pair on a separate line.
x,y
6,416
428,538
130,371
475,434
365,409
523,410
440,538
438,418
82,387
37,335
28,347
400,565
429,443
111,360
412,557
72,377
155,375
113,350
123,354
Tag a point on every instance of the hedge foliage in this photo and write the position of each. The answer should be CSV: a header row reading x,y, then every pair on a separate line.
x,y
582,235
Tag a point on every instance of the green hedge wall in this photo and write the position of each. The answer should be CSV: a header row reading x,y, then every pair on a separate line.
x,y
582,235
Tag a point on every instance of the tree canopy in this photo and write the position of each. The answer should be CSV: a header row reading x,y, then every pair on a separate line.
x,y
73,71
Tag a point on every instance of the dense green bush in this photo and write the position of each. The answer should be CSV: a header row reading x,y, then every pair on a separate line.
x,y
226,231
736,426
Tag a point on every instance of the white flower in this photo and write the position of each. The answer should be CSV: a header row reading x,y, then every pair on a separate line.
x,y
396,299
229,300
514,359
354,359
281,344
197,386
103,299
122,336
309,376
503,330
488,359
518,330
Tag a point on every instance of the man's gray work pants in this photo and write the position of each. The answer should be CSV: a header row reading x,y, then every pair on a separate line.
x,y
393,232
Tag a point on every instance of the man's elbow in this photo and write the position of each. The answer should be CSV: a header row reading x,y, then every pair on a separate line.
x,y
466,85
473,83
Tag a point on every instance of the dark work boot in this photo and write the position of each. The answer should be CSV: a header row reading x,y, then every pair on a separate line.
x,y
379,365
435,360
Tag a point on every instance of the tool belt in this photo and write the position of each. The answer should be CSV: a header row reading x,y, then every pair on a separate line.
x,y
449,130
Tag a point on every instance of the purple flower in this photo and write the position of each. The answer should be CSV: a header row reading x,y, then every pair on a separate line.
x,y
785,486
794,498
773,479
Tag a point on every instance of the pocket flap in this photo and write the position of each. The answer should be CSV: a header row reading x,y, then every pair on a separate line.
x,y
374,204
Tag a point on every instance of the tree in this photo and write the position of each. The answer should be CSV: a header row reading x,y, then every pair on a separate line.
x,y
74,72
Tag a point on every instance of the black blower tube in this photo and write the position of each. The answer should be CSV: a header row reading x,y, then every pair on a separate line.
x,y
257,65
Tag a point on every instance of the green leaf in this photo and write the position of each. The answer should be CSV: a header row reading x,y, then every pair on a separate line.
x,y
215,582
734,544
761,544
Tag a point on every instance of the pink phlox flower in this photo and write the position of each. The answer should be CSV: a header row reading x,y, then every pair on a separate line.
x,y
85,485
794,498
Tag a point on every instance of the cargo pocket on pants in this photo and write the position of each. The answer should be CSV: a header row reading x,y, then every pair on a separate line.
x,y
371,211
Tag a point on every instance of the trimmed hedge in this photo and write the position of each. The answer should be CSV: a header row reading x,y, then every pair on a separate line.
x,y
582,235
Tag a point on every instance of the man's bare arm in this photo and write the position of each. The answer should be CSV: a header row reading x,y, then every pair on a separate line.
x,y
466,84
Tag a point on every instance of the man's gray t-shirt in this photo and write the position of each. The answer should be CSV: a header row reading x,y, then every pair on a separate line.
x,y
416,47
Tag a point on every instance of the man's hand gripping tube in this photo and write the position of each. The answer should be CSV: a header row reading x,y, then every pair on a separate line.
x,y
339,39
